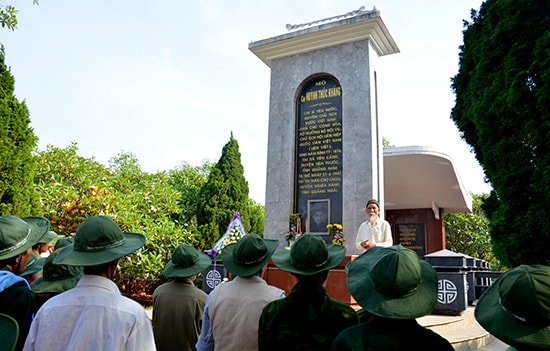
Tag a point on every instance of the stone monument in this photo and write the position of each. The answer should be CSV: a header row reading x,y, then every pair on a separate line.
x,y
324,158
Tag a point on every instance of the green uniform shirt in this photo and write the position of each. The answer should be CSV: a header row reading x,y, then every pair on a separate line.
x,y
308,319
387,334
177,315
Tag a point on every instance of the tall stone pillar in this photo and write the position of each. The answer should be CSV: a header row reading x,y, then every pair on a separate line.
x,y
324,158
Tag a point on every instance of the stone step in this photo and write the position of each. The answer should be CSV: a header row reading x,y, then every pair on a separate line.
x,y
495,345
463,331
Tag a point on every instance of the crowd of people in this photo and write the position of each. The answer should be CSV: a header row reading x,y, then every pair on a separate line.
x,y
67,300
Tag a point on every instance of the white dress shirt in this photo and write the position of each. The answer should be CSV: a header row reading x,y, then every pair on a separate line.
x,y
378,232
92,316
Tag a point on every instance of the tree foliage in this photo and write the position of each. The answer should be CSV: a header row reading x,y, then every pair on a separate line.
x,y
17,141
189,180
8,17
468,233
225,192
73,188
502,110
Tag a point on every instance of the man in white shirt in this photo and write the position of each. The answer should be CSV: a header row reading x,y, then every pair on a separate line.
x,y
93,315
375,231
232,311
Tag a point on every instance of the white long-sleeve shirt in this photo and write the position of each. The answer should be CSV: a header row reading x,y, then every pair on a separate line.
x,y
378,232
92,316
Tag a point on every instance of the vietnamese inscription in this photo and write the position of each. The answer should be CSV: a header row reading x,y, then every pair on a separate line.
x,y
319,146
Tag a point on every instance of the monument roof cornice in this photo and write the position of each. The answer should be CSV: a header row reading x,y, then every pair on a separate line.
x,y
351,27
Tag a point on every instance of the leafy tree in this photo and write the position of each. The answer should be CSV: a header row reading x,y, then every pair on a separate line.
x,y
189,180
17,141
386,144
73,188
256,216
468,233
225,192
8,16
502,99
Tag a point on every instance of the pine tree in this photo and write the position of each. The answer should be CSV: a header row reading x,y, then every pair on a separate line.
x,y
17,141
225,192
502,99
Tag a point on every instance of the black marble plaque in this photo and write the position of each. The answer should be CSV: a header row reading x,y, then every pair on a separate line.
x,y
413,236
318,171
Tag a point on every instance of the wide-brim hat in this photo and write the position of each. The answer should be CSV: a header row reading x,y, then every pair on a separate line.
x,y
34,264
516,307
17,235
99,240
62,242
48,237
392,282
248,255
186,261
309,255
57,277
9,332
41,225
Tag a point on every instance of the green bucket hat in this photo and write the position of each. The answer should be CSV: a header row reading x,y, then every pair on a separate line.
x,y
392,282
57,277
98,240
34,264
17,236
48,237
186,261
62,242
41,225
516,307
248,255
9,332
309,255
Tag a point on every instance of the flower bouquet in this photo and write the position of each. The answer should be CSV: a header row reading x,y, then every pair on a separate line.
x,y
235,231
335,230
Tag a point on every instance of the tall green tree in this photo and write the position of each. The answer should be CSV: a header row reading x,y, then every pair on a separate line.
x,y
225,192
502,110
17,141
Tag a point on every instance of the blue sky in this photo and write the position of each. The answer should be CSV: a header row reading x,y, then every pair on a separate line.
x,y
169,80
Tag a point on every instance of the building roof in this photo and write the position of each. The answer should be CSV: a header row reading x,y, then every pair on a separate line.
x,y
420,177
